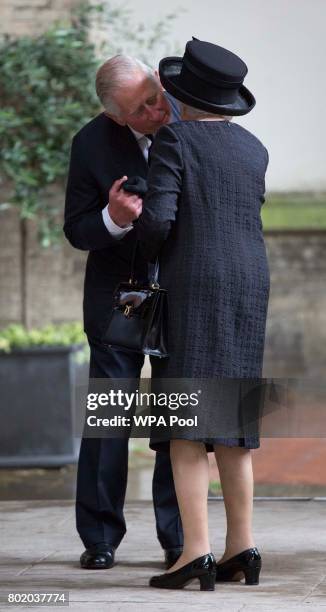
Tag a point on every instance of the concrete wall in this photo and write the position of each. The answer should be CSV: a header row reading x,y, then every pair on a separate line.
x,y
284,45
50,273
54,277
296,326
296,323
20,17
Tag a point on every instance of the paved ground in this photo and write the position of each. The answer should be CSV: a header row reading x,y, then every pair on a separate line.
x,y
282,467
40,550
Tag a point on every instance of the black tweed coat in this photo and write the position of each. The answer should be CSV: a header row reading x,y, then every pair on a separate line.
x,y
202,216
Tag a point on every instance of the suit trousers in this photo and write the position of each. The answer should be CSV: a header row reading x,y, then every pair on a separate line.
x,y
103,470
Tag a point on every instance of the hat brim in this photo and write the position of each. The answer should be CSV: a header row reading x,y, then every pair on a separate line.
x,y
169,71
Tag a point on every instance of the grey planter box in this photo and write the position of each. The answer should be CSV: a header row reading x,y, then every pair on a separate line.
x,y
37,397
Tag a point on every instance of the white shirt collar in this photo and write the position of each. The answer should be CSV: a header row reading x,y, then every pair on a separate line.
x,y
138,135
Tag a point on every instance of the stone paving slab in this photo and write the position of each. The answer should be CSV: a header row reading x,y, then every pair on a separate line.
x,y
40,550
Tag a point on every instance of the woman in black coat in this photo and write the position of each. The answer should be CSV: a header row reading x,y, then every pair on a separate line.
x,y
202,216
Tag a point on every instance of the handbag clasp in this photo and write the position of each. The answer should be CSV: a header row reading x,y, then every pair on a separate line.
x,y
127,310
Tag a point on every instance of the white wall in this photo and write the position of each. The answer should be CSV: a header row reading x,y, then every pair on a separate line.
x,y
283,44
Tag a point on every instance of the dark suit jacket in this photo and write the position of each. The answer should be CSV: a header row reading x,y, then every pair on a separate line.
x,y
102,152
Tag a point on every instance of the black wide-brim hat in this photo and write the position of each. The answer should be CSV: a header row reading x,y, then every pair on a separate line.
x,y
208,77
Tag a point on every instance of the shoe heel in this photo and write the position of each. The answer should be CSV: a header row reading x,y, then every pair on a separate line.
x,y
207,582
252,574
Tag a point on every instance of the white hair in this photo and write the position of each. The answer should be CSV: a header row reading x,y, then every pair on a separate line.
x,y
114,74
197,112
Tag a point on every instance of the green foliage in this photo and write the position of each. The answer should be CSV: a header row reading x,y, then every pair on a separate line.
x,y
294,211
18,337
47,93
215,487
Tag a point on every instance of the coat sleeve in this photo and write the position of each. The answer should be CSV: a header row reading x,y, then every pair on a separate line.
x,y
164,186
84,226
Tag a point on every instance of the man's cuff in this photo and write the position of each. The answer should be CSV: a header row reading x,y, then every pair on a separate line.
x,y
115,230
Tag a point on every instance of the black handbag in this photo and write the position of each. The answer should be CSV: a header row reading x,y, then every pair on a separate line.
x,y
139,319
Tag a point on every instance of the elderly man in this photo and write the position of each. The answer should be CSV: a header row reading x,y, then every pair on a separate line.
x,y
98,214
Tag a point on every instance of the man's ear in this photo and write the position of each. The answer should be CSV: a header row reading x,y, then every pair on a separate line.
x,y
158,78
115,118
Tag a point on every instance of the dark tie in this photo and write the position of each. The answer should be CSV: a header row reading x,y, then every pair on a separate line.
x,y
151,138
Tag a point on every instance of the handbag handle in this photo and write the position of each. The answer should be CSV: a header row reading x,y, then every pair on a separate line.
x,y
154,269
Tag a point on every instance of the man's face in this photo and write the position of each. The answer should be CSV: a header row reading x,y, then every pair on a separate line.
x,y
143,105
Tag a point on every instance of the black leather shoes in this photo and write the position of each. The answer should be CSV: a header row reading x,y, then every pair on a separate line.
x,y
203,568
99,556
248,562
171,555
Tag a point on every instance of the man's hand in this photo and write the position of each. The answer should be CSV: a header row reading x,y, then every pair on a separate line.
x,y
124,207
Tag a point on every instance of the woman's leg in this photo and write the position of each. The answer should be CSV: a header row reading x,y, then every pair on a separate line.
x,y
191,477
235,468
